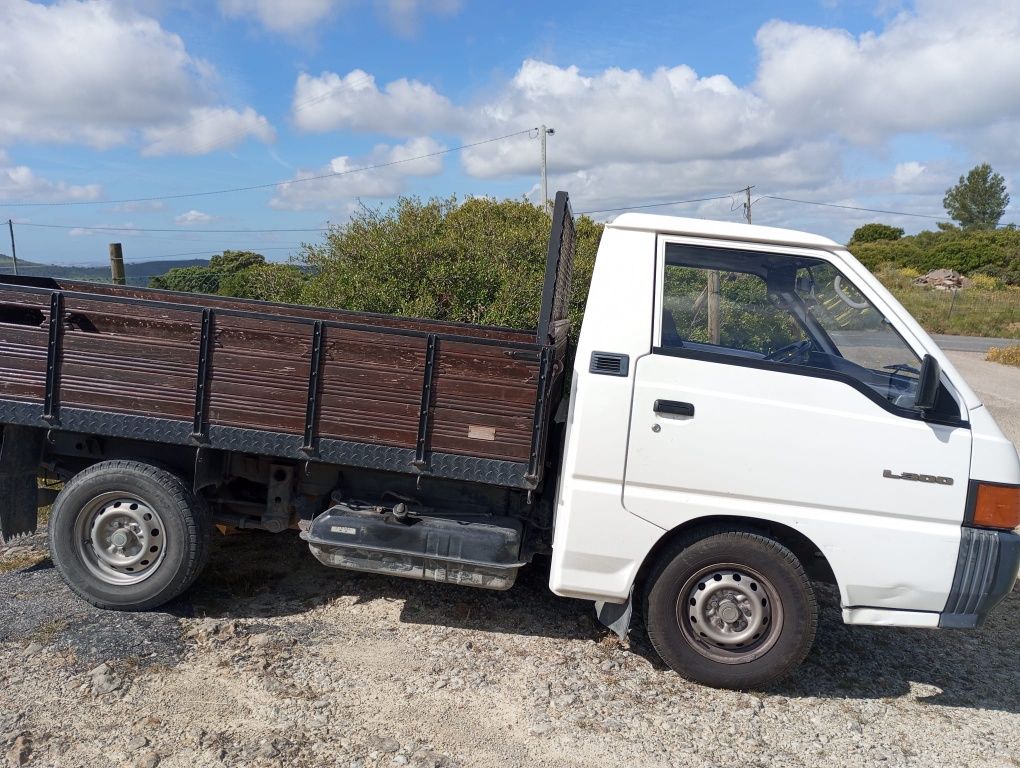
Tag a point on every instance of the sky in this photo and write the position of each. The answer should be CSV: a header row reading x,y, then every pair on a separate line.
x,y
157,122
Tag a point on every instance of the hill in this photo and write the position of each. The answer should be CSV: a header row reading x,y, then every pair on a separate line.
x,y
137,273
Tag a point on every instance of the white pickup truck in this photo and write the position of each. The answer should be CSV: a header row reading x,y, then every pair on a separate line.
x,y
750,411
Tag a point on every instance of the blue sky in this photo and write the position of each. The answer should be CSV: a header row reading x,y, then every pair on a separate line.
x,y
874,104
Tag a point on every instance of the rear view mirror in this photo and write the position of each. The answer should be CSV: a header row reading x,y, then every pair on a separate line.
x,y
928,384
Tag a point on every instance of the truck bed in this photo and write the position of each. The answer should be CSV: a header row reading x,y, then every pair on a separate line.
x,y
409,395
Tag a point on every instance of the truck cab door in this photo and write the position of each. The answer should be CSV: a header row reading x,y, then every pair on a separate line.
x,y
776,390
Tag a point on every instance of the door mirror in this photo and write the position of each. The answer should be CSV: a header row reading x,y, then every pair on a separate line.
x,y
928,384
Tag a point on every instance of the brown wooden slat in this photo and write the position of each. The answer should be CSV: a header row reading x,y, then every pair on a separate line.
x,y
316,313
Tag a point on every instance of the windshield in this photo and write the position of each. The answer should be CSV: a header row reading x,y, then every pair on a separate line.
x,y
784,309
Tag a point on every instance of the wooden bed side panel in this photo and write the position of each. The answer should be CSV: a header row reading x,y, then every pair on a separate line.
x,y
22,362
258,373
371,386
128,358
484,400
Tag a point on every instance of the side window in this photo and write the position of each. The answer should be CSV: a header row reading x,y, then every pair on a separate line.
x,y
782,310
726,310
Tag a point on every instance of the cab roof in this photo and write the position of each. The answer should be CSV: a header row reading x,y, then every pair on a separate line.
x,y
723,230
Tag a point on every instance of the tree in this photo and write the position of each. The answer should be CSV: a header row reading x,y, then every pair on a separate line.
x,y
979,200
871,233
208,279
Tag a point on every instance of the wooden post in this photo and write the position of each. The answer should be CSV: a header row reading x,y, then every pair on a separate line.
x,y
117,264
714,313
14,253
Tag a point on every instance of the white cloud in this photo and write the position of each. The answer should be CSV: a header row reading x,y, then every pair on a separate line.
x,y
945,70
946,66
403,16
96,73
139,206
127,229
193,217
207,129
20,183
338,190
353,102
296,15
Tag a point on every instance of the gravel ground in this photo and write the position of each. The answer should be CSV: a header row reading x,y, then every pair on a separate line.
x,y
274,660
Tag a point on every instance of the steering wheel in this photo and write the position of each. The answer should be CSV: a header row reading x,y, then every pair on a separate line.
x,y
791,352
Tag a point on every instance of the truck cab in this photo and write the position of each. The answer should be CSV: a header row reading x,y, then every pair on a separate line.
x,y
750,409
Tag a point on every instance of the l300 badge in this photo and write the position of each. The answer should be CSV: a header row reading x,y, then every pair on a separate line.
x,y
936,479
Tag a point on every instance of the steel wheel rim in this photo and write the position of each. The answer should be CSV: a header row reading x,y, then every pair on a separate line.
x,y
729,613
119,538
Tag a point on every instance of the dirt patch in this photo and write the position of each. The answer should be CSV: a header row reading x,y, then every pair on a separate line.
x,y
288,663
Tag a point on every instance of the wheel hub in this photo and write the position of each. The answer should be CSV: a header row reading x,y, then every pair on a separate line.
x,y
729,613
121,539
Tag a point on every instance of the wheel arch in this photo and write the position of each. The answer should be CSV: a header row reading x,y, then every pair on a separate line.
x,y
810,555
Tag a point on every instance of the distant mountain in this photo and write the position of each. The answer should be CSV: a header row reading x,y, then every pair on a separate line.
x,y
137,273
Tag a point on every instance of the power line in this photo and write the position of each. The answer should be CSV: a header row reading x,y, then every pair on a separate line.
x,y
178,229
854,208
659,205
274,184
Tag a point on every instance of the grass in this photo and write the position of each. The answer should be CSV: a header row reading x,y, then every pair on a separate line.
x,y
1006,355
45,633
986,308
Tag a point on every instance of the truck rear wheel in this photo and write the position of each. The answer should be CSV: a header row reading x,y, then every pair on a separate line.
x,y
731,609
128,536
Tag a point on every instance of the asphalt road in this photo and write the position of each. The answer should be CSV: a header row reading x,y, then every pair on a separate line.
x,y
970,343
997,385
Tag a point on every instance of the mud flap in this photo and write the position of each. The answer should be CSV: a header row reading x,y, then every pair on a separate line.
x,y
616,616
20,454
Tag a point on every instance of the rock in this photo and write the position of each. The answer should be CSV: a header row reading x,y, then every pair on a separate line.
x,y
107,683
386,745
20,751
268,750
32,649
147,760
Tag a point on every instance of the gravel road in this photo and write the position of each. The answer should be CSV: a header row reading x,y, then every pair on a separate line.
x,y
273,660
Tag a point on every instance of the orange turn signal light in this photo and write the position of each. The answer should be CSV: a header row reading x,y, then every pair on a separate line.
x,y
997,506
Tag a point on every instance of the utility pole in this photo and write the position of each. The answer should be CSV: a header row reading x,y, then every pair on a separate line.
x,y
117,264
543,133
14,253
747,205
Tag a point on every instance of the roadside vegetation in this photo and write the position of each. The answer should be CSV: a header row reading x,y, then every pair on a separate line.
x,y
482,260
1006,355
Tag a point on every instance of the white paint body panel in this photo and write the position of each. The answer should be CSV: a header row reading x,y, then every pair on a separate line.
x,y
801,451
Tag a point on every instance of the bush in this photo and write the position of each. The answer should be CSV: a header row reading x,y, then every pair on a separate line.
x,y
973,251
1005,355
871,233
481,261
239,274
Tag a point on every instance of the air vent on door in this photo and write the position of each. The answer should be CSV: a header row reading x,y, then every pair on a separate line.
x,y
609,363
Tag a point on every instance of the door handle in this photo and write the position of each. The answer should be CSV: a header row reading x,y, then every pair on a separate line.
x,y
674,408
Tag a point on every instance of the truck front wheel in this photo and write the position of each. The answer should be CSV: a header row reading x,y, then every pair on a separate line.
x,y
730,609
128,536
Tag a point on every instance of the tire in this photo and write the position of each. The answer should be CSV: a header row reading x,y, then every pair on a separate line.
x,y
730,609
128,536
